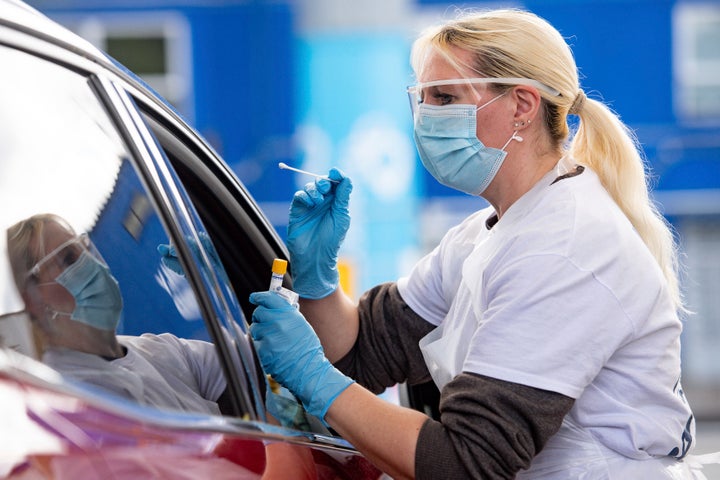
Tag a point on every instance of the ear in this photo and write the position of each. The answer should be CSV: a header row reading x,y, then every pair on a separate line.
x,y
527,104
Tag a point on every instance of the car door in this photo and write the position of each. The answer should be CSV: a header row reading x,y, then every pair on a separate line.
x,y
75,146
84,141
87,142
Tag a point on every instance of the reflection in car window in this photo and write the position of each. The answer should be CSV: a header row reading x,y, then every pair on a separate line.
x,y
66,172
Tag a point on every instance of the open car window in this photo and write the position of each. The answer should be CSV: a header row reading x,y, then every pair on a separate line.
x,y
64,163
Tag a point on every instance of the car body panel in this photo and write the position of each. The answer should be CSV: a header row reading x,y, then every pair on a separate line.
x,y
65,430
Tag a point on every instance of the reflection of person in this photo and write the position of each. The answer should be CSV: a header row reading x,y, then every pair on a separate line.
x,y
548,320
73,299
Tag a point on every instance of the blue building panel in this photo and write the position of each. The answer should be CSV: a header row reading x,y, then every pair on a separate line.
x,y
622,49
244,90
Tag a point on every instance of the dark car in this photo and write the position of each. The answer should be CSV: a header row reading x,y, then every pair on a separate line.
x,y
84,139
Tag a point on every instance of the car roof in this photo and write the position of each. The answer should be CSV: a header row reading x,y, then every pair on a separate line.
x,y
26,18
22,18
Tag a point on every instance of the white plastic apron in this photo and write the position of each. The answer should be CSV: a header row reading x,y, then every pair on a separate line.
x,y
573,453
446,347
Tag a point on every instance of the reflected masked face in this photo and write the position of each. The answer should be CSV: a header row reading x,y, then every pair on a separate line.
x,y
72,280
44,291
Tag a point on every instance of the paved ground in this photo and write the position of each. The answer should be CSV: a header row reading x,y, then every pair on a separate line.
x,y
708,441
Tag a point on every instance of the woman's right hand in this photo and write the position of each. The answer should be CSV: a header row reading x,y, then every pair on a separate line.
x,y
319,220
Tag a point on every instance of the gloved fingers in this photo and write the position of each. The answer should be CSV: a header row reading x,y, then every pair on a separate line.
x,y
306,213
267,325
210,249
205,240
257,333
279,327
207,245
168,257
325,186
342,194
166,250
173,264
307,198
337,174
301,202
315,195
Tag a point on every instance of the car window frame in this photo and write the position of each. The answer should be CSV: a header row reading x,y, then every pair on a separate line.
x,y
173,211
108,76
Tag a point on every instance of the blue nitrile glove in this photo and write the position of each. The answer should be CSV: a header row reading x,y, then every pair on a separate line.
x,y
168,255
290,352
319,220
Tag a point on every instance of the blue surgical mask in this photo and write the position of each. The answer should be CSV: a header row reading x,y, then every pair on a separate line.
x,y
98,302
449,149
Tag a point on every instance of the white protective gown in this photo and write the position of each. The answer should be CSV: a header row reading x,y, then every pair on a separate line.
x,y
562,295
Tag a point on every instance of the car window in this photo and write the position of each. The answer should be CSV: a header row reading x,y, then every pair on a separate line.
x,y
65,165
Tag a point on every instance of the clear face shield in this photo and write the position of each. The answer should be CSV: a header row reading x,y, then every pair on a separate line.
x,y
62,257
462,91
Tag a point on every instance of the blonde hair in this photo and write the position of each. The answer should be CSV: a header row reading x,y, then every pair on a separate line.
x,y
19,238
514,43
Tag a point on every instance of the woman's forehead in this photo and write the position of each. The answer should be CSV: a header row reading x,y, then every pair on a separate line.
x,y
441,65
48,237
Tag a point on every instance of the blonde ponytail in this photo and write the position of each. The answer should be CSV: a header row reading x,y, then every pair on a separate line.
x,y
606,145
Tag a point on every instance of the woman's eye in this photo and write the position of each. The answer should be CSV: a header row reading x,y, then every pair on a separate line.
x,y
443,99
68,256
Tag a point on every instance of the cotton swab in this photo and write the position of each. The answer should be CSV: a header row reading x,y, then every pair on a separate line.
x,y
285,166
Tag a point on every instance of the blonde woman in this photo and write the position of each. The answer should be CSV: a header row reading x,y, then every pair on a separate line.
x,y
548,320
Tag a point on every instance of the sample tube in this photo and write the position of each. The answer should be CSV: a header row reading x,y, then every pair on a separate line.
x,y
279,268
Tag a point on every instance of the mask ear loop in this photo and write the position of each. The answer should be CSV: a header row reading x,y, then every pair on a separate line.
x,y
51,313
47,323
54,314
